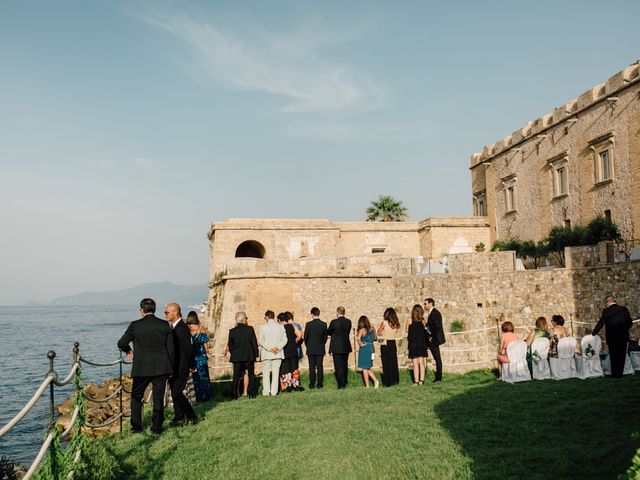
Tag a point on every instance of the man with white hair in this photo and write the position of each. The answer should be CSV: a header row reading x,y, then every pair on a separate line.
x,y
243,347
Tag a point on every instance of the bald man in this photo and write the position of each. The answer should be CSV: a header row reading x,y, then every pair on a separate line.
x,y
184,362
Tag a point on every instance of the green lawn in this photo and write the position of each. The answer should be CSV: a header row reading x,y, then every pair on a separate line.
x,y
469,426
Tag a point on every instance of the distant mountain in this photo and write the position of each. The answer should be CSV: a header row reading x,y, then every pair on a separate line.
x,y
162,293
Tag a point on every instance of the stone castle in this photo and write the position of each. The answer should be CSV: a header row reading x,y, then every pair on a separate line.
x,y
556,166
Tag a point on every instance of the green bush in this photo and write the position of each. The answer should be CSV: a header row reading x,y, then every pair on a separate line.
x,y
601,228
457,326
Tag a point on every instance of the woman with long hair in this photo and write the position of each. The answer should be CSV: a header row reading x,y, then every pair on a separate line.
x,y
289,374
199,340
389,331
417,338
366,336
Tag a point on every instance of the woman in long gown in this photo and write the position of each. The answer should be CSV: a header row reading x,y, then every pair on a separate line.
x,y
199,340
389,330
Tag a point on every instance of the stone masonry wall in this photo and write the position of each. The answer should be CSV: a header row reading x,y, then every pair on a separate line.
x,y
482,300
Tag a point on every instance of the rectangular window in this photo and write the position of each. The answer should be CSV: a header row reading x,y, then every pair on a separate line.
x,y
605,166
603,158
482,211
567,223
607,214
511,198
561,181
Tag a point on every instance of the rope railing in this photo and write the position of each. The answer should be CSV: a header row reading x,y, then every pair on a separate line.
x,y
51,381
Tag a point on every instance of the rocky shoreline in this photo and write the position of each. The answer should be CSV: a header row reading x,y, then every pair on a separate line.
x,y
100,413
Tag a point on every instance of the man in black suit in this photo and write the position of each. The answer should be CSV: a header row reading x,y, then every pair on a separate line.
x,y
152,363
617,322
243,346
315,338
340,346
183,363
435,332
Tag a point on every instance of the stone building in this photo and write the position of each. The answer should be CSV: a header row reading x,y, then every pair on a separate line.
x,y
566,167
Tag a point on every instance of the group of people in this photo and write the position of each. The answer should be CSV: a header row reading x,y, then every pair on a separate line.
x,y
615,319
166,351
278,346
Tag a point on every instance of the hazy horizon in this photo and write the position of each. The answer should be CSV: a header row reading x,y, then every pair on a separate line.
x,y
126,128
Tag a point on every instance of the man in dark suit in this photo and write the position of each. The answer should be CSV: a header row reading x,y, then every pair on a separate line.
x,y
315,338
243,346
340,346
617,322
435,332
183,363
152,363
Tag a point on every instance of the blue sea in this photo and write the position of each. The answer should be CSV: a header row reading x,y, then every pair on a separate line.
x,y
28,333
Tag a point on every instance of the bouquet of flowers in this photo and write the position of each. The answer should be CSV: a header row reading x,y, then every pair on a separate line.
x,y
290,381
589,351
535,356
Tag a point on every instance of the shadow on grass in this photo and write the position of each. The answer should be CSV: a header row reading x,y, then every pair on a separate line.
x,y
546,429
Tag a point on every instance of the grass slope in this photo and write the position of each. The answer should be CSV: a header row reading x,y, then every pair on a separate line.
x,y
469,426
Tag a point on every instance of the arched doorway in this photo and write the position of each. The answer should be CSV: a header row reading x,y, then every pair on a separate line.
x,y
250,248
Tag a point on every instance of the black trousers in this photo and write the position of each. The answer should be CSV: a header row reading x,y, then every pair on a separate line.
x,y
435,351
316,372
340,361
618,355
389,357
238,373
181,406
140,384
289,365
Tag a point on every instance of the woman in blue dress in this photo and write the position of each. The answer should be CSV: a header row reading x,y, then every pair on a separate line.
x,y
366,337
199,339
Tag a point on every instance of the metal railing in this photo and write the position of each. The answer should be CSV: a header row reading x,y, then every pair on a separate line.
x,y
51,382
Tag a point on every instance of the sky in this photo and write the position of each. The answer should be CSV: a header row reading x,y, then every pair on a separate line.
x,y
127,128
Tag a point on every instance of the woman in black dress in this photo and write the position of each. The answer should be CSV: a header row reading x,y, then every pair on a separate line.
x,y
417,337
289,374
389,331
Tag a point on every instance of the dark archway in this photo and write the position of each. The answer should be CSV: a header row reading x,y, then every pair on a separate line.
x,y
250,248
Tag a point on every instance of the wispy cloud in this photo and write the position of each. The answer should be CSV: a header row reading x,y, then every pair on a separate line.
x,y
143,162
288,65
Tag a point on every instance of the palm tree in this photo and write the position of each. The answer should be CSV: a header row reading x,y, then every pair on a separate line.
x,y
386,209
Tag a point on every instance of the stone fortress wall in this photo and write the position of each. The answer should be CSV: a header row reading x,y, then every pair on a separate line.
x,y
481,290
603,120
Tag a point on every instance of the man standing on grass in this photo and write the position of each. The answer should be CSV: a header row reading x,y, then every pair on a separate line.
x,y
272,339
183,363
152,363
243,346
617,322
340,346
315,338
435,332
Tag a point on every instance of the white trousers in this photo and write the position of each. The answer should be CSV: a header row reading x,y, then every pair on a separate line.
x,y
271,376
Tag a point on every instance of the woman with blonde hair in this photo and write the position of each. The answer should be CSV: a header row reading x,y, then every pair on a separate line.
x,y
389,330
417,338
541,331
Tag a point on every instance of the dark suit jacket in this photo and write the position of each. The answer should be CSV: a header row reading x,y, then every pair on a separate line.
x,y
339,330
617,322
315,337
152,346
434,327
242,343
183,357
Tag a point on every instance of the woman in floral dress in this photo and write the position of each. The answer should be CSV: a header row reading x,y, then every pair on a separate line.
x,y
199,339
